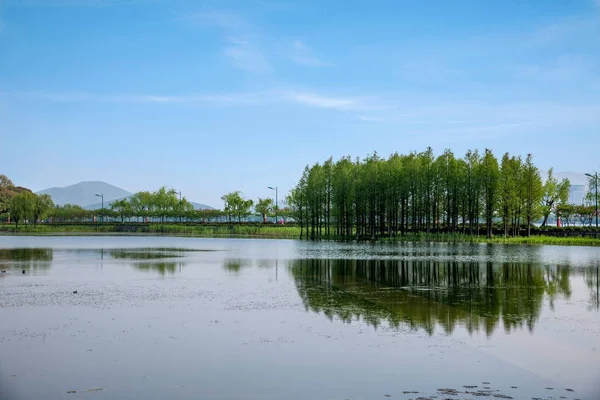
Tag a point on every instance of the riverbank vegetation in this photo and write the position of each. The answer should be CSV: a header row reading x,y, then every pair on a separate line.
x,y
416,196
374,197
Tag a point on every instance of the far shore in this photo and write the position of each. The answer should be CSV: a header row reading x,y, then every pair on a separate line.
x,y
270,231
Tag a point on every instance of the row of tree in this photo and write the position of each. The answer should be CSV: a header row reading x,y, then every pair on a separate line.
x,y
161,205
28,206
374,196
572,214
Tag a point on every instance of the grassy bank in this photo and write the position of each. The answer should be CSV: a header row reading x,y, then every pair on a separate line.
x,y
258,231
271,231
532,240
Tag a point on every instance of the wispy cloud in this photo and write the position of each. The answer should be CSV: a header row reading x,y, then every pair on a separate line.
x,y
275,96
433,117
226,20
78,3
303,55
245,55
319,100
189,99
470,121
241,39
567,30
565,67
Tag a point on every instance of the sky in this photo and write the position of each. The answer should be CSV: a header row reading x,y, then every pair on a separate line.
x,y
210,97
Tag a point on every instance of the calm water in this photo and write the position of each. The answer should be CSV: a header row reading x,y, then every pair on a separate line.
x,y
174,318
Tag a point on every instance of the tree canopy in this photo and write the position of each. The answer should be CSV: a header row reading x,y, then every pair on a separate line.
x,y
419,192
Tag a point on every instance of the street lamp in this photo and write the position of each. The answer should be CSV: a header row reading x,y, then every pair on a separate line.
x,y
101,196
276,200
595,176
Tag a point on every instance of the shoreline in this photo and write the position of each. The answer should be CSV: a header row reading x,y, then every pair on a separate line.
x,y
286,232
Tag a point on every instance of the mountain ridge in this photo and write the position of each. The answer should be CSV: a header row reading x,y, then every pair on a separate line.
x,y
84,194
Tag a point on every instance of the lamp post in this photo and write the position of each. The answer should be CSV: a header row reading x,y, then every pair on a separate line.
x,y
595,176
276,200
101,196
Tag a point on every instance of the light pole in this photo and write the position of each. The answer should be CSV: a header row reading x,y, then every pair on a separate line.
x,y
595,176
101,196
276,200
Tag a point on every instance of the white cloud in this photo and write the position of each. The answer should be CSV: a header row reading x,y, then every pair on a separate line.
x,y
78,3
566,30
469,121
572,69
241,38
325,101
226,20
303,55
191,99
246,56
294,97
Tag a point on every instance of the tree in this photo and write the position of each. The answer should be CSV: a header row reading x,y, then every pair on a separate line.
x,y
20,206
123,208
489,174
554,193
41,204
508,187
533,192
264,207
235,205
565,212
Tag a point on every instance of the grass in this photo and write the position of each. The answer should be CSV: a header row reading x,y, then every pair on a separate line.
x,y
259,231
274,232
548,240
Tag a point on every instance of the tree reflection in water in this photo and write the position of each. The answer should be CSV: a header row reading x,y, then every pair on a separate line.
x,y
33,259
163,268
430,294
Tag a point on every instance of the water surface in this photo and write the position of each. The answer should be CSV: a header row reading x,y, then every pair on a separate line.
x,y
159,318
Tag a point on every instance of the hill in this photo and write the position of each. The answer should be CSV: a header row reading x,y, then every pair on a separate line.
x,y
84,193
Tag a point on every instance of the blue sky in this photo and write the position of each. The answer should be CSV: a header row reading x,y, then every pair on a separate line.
x,y
214,96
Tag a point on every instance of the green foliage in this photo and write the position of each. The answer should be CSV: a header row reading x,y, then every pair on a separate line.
x,y
236,205
532,192
264,207
554,194
417,192
41,205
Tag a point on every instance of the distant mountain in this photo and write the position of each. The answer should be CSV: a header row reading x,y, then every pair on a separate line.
x,y
199,206
84,193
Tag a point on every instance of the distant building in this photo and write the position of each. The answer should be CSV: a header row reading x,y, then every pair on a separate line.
x,y
577,194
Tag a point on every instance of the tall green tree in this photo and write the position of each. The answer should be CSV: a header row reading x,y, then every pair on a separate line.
x,y
490,174
554,194
532,192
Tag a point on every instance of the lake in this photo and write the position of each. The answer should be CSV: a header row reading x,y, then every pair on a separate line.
x,y
190,318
